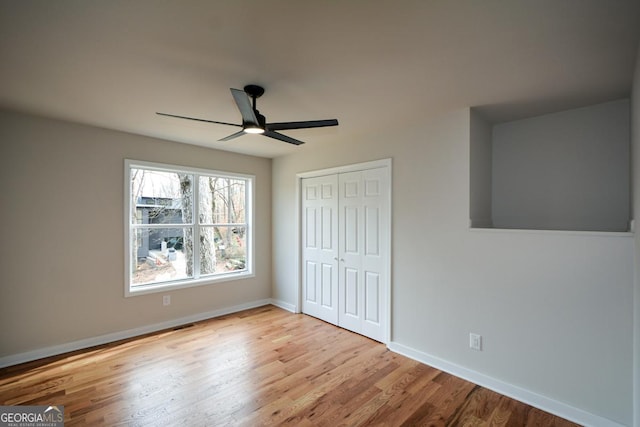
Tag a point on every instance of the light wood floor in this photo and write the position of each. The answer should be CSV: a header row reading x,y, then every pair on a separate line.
x,y
260,367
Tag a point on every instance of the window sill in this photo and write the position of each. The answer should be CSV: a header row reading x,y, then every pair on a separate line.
x,y
183,284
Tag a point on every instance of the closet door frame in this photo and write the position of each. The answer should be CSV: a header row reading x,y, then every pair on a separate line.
x,y
376,164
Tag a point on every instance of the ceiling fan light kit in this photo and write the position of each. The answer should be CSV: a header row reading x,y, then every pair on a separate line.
x,y
254,130
255,123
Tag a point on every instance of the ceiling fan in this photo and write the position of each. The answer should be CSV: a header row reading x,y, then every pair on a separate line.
x,y
255,123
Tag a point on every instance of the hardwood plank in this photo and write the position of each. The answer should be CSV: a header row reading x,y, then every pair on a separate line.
x,y
259,367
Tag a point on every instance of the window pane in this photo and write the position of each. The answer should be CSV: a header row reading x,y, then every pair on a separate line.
x,y
208,254
231,248
161,197
236,200
163,254
222,200
210,205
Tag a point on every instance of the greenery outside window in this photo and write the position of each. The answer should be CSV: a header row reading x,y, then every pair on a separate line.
x,y
185,226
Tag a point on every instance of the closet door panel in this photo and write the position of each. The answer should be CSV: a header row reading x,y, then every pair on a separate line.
x,y
320,247
372,298
350,220
375,207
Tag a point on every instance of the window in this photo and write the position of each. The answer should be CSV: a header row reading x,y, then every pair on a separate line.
x,y
185,226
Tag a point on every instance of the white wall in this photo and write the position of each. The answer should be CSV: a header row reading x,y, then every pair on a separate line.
x,y
555,309
61,262
563,171
635,150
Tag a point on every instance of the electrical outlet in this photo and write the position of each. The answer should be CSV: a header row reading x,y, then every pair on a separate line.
x,y
475,341
166,299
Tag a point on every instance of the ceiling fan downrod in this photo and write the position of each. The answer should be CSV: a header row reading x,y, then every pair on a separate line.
x,y
255,92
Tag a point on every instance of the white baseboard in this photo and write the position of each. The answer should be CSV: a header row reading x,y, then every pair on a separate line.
x,y
284,305
129,333
530,398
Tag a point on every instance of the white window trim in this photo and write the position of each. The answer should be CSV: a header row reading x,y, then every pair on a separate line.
x,y
185,283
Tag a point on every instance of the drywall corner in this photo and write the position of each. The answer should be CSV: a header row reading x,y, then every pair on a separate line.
x,y
480,171
635,210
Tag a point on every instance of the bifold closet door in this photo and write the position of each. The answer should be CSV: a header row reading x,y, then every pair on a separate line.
x,y
345,249
363,246
320,247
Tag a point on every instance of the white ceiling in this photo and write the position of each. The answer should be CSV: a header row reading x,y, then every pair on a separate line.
x,y
370,64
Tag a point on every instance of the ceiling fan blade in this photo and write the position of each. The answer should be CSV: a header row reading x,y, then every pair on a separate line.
x,y
199,120
244,105
235,135
302,125
281,137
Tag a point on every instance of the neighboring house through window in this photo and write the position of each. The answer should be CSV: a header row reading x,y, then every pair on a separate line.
x,y
185,226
